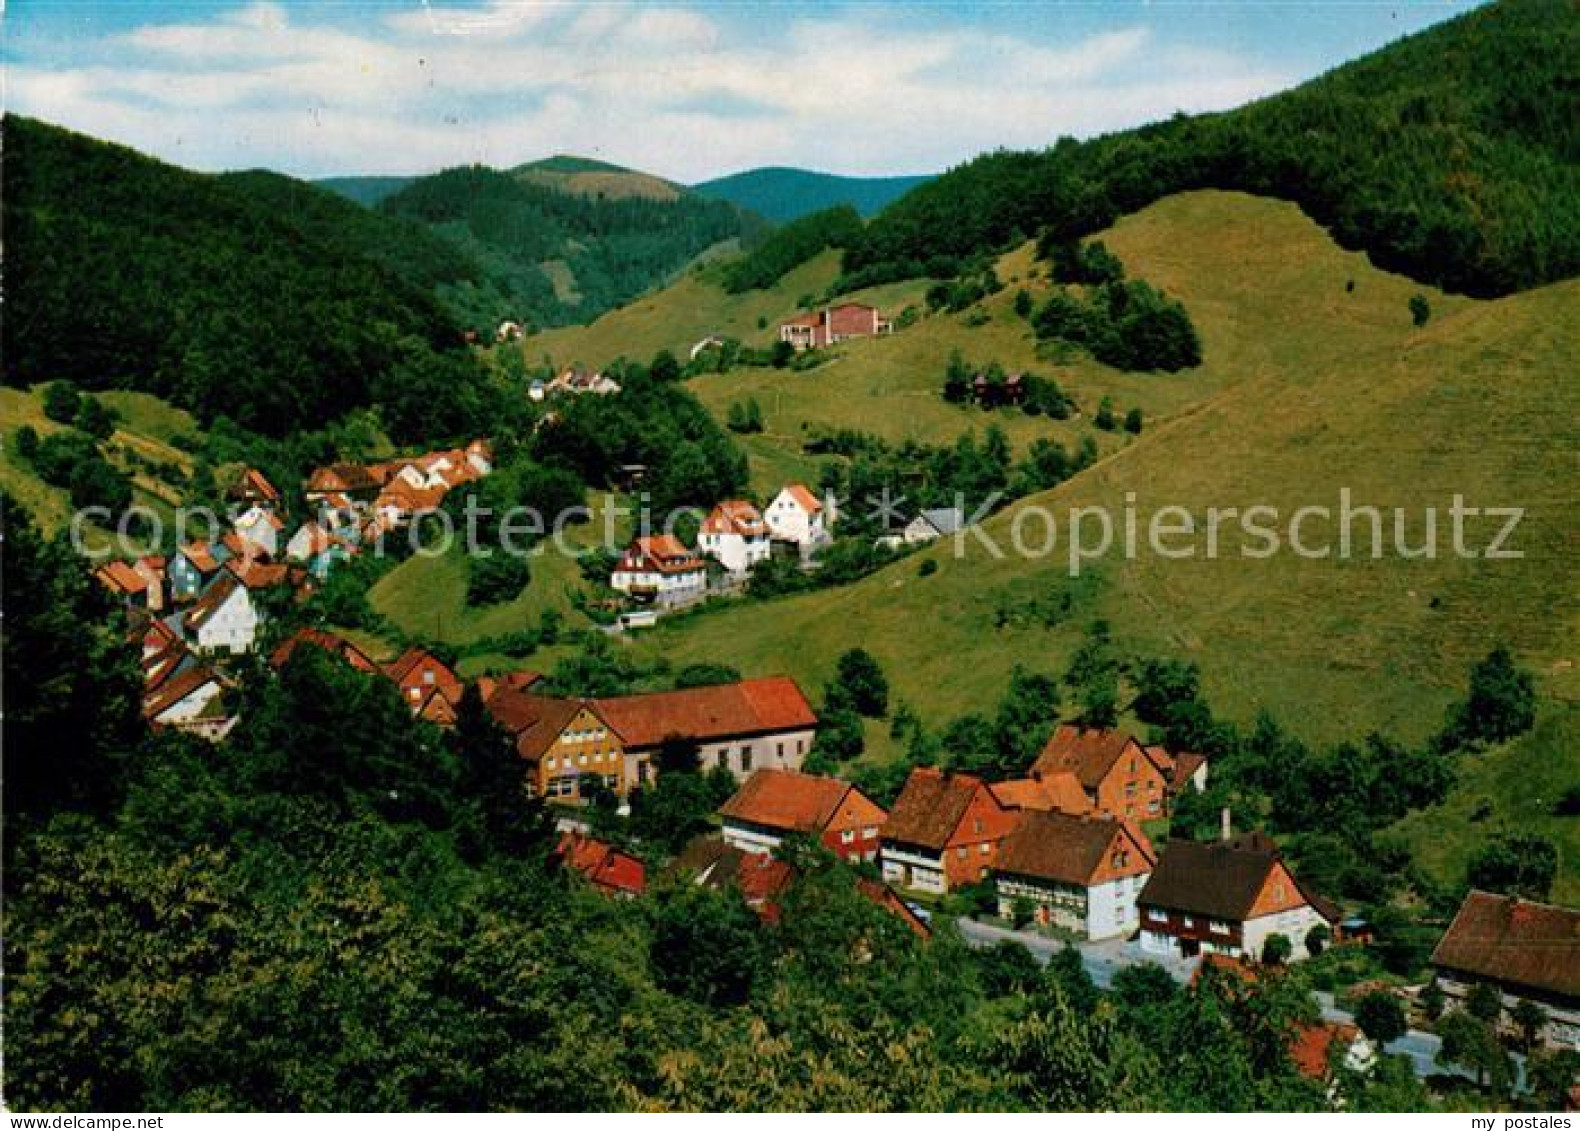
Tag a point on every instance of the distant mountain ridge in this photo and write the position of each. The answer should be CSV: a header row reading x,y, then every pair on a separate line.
x,y
782,194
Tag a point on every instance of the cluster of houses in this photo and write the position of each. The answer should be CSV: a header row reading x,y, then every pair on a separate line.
x,y
573,382
355,504
204,601
662,569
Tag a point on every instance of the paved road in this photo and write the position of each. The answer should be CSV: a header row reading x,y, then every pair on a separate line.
x,y
1104,959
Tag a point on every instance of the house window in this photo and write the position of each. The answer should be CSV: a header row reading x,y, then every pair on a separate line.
x,y
986,848
870,834
1188,921
960,853
1218,927
550,763
1130,789
846,836
1152,806
1157,916
746,757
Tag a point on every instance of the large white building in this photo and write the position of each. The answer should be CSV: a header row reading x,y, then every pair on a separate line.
x,y
224,619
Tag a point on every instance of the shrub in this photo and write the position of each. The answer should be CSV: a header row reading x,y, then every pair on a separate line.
x,y
1133,422
61,402
1420,309
863,683
1276,949
1518,864
1381,1017
495,578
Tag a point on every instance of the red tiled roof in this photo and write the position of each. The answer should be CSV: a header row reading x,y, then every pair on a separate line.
x,y
931,807
603,865
705,714
534,721
758,876
1059,791
342,477
516,681
888,899
1310,1044
256,574
788,800
201,555
209,603
735,516
659,553
1517,942
1088,754
330,642
121,577
804,498
254,484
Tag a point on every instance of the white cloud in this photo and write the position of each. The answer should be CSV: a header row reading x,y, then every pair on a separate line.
x,y
679,91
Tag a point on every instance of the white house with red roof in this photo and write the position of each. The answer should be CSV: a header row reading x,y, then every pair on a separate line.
x,y
261,528
224,618
797,515
660,567
735,535
833,324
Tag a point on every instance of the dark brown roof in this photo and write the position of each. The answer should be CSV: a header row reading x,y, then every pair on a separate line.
x,y
930,807
1516,942
1088,754
1062,847
175,689
1217,879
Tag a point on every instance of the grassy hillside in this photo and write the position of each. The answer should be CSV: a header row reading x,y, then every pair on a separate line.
x,y
143,442
1450,155
1309,385
783,194
1510,789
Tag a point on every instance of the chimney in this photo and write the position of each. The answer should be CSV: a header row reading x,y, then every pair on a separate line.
x,y
1226,831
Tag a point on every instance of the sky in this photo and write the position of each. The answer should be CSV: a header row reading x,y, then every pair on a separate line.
x,y
687,91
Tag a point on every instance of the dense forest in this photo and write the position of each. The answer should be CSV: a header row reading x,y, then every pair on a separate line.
x,y
784,195
1452,156
603,252
271,303
792,245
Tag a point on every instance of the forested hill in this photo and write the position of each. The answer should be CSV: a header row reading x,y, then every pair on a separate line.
x,y
556,253
784,194
1452,156
250,296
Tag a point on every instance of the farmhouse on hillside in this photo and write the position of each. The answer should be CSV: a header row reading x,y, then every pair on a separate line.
x,y
833,324
1115,771
1527,951
796,515
735,535
774,804
1227,897
1079,873
931,525
566,744
660,567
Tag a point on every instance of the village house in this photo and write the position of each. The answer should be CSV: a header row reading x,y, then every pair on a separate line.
x,y
124,582
260,528
566,744
660,567
577,382
774,804
1079,873
193,566
833,324
1114,770
931,525
1227,897
427,685
1059,792
1319,1048
224,618
253,489
347,480
746,726
989,393
1527,951
334,644
943,831
608,869
191,699
735,535
796,515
